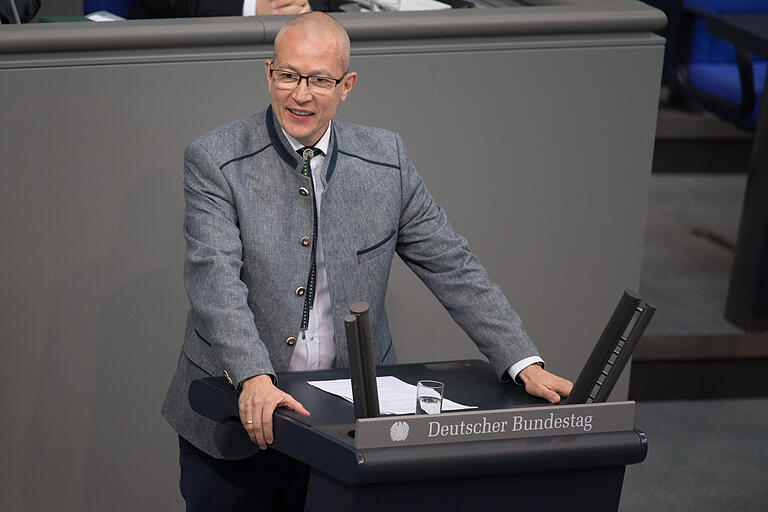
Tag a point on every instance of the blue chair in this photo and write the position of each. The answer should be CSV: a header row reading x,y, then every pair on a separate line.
x,y
726,80
118,7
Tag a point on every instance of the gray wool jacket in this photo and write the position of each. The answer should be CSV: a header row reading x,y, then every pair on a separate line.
x,y
244,217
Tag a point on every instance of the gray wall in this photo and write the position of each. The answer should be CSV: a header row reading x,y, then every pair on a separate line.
x,y
542,159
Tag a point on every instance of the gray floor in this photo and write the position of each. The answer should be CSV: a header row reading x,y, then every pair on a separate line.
x,y
708,455
690,235
703,456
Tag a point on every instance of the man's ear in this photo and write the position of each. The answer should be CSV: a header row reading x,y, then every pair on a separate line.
x,y
349,81
267,64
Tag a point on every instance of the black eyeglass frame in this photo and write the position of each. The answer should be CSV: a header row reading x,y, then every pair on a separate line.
x,y
303,77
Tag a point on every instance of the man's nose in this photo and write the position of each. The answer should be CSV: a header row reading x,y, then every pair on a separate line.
x,y
302,91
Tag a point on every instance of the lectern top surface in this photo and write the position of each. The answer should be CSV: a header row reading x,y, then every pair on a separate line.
x,y
468,382
326,440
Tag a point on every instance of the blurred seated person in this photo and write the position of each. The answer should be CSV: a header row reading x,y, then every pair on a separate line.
x,y
143,9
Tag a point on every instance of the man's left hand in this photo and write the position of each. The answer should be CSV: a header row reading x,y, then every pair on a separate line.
x,y
539,382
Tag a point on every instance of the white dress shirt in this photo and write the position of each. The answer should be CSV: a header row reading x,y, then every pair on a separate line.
x,y
315,349
249,9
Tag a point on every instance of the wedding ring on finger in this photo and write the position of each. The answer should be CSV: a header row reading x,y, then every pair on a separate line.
x,y
249,422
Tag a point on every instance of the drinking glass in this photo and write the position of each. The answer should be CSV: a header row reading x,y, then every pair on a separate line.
x,y
429,397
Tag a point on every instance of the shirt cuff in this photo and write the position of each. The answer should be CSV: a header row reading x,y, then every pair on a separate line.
x,y
249,8
518,366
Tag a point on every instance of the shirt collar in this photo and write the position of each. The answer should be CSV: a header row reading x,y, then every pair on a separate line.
x,y
322,144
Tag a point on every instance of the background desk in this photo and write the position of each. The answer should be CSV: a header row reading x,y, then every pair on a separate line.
x,y
542,161
747,304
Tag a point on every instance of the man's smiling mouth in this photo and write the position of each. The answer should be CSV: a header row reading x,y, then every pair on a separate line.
x,y
302,113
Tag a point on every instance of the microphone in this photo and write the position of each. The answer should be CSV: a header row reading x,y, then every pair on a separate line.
x,y
362,368
355,367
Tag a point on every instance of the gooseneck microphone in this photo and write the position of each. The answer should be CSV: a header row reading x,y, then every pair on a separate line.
x,y
362,368
355,367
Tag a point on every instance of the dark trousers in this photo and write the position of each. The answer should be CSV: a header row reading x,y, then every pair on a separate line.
x,y
268,481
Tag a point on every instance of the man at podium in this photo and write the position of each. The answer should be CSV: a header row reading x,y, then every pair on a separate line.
x,y
291,216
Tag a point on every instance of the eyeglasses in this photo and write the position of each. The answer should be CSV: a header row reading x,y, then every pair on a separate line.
x,y
288,80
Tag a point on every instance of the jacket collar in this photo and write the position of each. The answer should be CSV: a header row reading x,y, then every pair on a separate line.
x,y
279,142
286,152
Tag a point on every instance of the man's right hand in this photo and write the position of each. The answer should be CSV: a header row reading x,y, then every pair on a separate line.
x,y
258,400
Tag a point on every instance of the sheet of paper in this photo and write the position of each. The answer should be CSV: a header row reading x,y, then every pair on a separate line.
x,y
103,16
422,5
395,396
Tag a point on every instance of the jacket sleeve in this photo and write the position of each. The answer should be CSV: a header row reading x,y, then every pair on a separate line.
x,y
218,297
442,260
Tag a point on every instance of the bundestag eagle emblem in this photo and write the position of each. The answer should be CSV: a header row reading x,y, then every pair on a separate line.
x,y
399,431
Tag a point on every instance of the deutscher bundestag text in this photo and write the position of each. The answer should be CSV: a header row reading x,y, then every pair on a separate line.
x,y
515,424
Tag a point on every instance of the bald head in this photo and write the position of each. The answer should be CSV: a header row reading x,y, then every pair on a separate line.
x,y
317,26
309,75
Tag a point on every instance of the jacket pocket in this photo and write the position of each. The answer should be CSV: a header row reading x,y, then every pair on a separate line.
x,y
202,339
200,352
377,249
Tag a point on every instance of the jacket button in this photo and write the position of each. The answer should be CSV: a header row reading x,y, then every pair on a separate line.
x,y
303,191
306,241
300,291
290,341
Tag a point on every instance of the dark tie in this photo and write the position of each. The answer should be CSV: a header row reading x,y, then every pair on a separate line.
x,y
307,153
